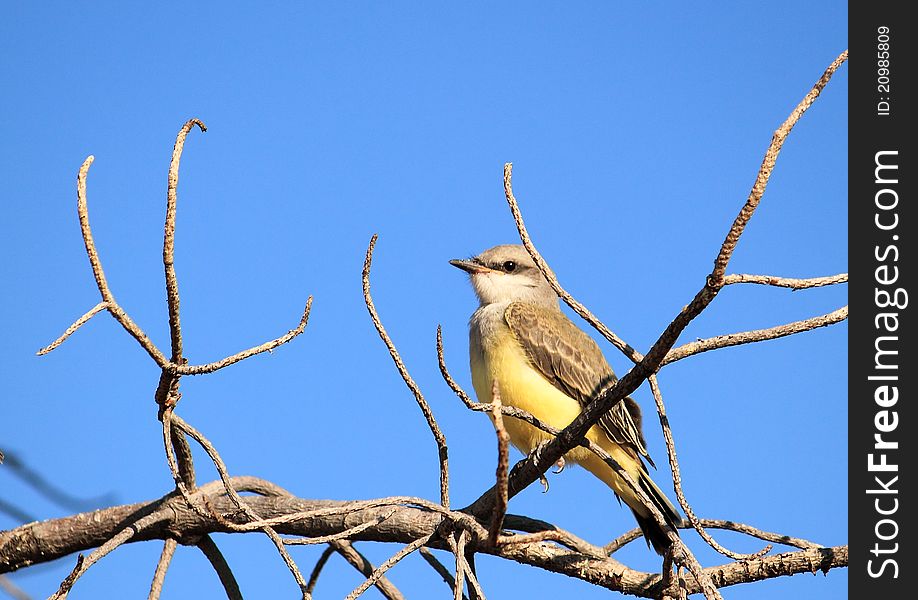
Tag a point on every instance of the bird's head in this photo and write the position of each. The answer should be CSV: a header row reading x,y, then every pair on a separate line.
x,y
507,274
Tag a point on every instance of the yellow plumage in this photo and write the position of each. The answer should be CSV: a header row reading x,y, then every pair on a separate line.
x,y
523,387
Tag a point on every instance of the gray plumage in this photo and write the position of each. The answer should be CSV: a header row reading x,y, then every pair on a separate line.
x,y
573,363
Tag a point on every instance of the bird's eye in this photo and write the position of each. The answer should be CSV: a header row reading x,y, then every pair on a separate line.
x,y
509,266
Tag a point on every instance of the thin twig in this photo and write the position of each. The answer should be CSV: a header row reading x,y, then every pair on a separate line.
x,y
346,534
112,306
768,163
266,347
317,570
445,372
379,571
162,566
549,275
13,590
34,479
210,550
677,480
786,282
777,538
440,568
76,325
237,499
172,293
440,439
503,465
457,545
83,563
756,335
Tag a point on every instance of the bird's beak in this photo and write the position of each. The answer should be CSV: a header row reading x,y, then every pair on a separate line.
x,y
469,266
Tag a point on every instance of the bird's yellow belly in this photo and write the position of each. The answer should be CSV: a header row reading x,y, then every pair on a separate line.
x,y
521,386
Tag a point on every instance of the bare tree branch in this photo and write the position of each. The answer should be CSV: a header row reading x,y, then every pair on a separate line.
x,y
162,566
360,562
172,293
12,590
787,282
768,163
47,540
317,570
503,465
778,538
260,349
440,439
210,550
440,568
757,335
76,325
391,562
677,480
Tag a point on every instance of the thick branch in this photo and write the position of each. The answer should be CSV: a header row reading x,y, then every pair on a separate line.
x,y
48,540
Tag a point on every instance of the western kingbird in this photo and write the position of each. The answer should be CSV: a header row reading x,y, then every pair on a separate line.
x,y
547,366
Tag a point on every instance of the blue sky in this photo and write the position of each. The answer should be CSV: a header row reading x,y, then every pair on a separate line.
x,y
635,131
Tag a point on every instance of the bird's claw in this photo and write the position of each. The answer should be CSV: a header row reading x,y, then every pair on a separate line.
x,y
560,464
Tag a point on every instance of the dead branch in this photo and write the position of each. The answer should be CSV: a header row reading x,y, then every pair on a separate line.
x,y
360,562
162,566
768,536
677,480
317,570
48,540
391,562
757,335
244,354
787,282
503,465
440,439
172,293
210,550
768,163
440,568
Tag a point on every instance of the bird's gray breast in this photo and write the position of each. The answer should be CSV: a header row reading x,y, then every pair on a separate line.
x,y
486,326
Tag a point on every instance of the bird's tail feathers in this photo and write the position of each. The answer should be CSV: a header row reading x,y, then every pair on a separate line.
x,y
656,535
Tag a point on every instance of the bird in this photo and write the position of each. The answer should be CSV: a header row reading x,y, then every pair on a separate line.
x,y
544,364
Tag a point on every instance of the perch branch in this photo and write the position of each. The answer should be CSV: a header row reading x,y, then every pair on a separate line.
x,y
503,465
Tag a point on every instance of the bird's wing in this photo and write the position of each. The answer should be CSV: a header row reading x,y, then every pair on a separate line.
x,y
573,363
